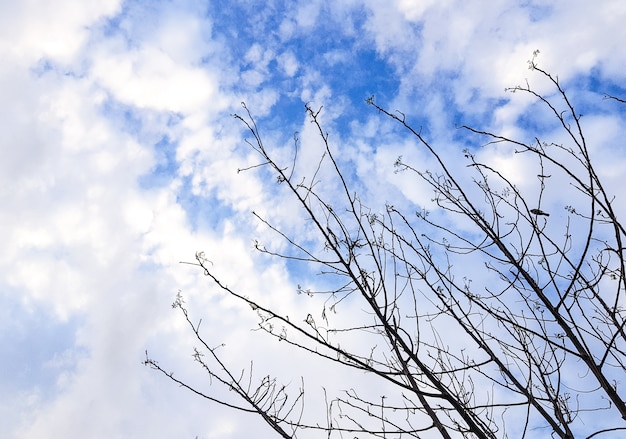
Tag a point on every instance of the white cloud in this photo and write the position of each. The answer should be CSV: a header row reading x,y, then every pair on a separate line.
x,y
307,14
149,78
31,29
414,11
86,104
288,62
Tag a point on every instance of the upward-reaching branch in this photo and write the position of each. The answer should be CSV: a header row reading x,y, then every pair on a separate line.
x,y
535,342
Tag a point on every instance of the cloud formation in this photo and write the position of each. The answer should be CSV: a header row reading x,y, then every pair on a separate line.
x,y
119,159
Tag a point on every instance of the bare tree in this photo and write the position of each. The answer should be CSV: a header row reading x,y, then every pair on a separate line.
x,y
499,319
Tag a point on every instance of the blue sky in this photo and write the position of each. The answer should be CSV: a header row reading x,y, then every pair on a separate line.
x,y
119,159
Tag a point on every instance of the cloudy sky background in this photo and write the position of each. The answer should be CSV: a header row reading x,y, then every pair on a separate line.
x,y
119,159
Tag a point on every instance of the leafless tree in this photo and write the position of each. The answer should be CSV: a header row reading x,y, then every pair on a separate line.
x,y
494,317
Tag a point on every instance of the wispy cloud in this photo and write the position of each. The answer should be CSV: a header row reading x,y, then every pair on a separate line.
x,y
119,159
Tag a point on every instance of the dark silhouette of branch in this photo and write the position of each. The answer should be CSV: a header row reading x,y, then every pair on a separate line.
x,y
532,346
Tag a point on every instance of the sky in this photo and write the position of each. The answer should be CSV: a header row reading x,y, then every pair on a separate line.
x,y
119,160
